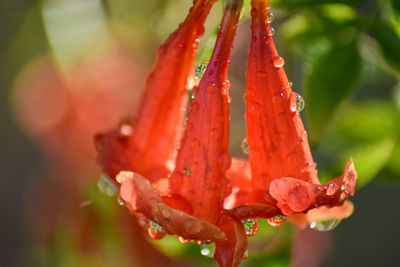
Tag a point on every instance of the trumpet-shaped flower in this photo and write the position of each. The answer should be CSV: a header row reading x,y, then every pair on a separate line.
x,y
147,144
283,172
204,195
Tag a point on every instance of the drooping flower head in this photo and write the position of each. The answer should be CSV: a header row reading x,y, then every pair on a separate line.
x,y
282,167
200,198
192,204
147,144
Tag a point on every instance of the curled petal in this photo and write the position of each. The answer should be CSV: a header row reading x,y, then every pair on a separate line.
x,y
182,224
231,252
294,195
322,214
140,196
254,211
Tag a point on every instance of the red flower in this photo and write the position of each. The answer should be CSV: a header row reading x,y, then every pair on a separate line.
x,y
190,203
283,172
148,143
201,200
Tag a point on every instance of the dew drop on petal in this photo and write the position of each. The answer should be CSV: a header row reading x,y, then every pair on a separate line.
x,y
332,188
324,225
250,226
208,250
245,146
271,31
125,129
200,69
186,171
277,220
246,255
107,186
121,201
271,17
299,102
211,88
183,240
278,62
156,231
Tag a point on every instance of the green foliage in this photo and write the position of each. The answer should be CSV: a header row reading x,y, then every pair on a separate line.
x,y
334,75
388,41
367,132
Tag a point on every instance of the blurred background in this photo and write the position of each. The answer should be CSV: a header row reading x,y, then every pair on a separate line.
x,y
70,69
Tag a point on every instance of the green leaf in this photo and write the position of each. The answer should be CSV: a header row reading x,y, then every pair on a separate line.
x,y
332,78
388,41
396,5
363,134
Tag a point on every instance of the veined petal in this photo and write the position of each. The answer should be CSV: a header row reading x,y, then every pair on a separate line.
x,y
277,140
322,213
232,251
203,158
294,195
141,197
148,144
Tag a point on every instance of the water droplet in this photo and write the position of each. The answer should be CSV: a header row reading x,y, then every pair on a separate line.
x,y
225,86
279,62
156,231
277,220
121,201
250,226
271,17
183,240
208,250
200,69
299,102
107,186
186,171
211,88
271,31
332,188
246,254
245,146
125,129
193,226
324,225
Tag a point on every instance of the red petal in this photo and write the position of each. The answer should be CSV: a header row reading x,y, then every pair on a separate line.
x,y
141,197
277,140
239,177
203,157
322,214
294,195
152,140
254,211
231,252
